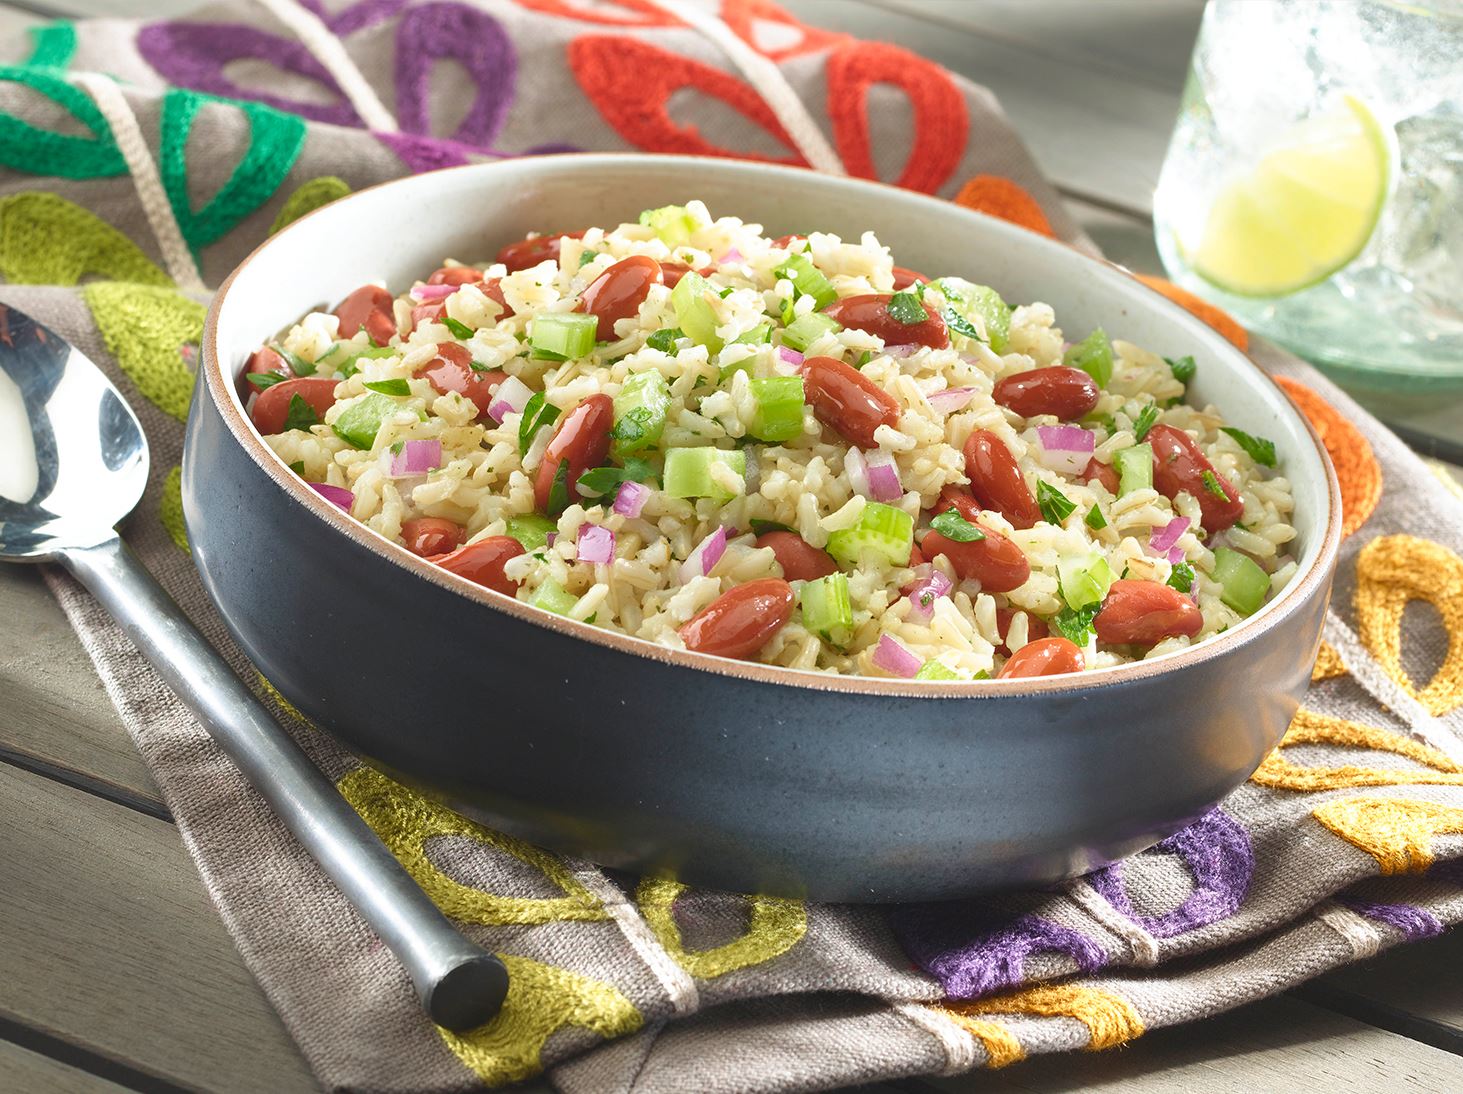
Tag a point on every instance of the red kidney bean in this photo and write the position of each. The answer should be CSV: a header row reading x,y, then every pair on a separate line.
x,y
266,359
672,272
583,439
952,497
451,370
370,306
916,557
1045,657
799,559
995,561
1179,467
431,536
1103,473
870,314
1035,628
273,404
1065,393
782,243
1142,613
740,622
530,252
492,288
618,292
996,480
483,562
455,275
905,277
847,401
428,313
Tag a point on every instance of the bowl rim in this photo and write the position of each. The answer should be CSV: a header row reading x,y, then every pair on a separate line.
x,y
1304,585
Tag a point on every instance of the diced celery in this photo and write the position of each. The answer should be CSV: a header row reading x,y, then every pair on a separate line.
x,y
688,471
694,315
980,302
778,413
1135,468
758,336
827,611
1093,355
565,334
553,597
882,530
1084,580
672,223
359,423
936,670
808,280
531,530
640,413
1245,584
803,331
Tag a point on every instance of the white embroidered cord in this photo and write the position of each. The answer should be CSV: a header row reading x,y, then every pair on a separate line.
x,y
767,80
127,133
326,48
1356,930
1381,687
1143,945
958,1044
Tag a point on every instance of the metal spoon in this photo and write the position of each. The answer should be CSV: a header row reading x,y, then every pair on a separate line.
x,y
73,463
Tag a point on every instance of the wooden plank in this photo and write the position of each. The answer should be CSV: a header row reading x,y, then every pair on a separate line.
x,y
112,945
1094,133
1276,1044
23,1070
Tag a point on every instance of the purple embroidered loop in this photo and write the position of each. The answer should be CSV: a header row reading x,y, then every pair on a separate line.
x,y
958,945
193,55
424,153
356,17
1217,852
449,30
1415,923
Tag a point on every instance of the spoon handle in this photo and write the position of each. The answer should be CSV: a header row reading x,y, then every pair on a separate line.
x,y
461,984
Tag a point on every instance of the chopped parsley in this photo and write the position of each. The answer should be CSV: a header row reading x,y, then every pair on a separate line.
x,y
864,358
536,414
262,380
389,387
633,426
301,415
603,480
1055,506
961,325
586,257
559,491
1183,368
953,526
906,308
1146,417
298,467
1094,518
459,330
665,339
298,365
478,366
762,527
1075,624
1260,450
1214,486
1182,577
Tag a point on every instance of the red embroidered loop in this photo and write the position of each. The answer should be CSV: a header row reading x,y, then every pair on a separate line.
x,y
774,33
941,123
631,82
638,13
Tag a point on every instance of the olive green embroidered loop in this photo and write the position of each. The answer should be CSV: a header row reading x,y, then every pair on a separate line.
x,y
170,509
55,45
36,151
145,329
308,197
47,240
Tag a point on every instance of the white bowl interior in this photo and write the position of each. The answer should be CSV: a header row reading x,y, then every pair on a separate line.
x,y
403,230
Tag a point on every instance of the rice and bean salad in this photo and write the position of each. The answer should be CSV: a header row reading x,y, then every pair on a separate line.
x,y
785,450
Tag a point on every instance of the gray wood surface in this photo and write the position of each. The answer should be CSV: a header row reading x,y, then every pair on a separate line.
x,y
33,1073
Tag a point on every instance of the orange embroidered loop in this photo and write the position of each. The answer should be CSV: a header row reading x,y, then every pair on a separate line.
x,y
1328,664
1110,1019
1217,318
1396,832
996,196
1356,465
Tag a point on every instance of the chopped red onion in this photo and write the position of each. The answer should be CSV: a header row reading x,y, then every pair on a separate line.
x,y
787,362
336,495
1160,541
951,399
596,544
1175,555
416,458
903,349
883,476
549,539
732,255
857,471
930,587
430,294
705,557
510,398
892,657
631,499
1065,448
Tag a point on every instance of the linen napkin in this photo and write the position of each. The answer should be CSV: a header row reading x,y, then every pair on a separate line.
x,y
143,160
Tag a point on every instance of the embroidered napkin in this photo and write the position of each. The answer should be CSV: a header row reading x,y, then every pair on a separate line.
x,y
143,160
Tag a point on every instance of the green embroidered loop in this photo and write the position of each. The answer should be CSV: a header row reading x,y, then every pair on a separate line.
x,y
55,45
24,147
275,140
308,197
147,329
47,240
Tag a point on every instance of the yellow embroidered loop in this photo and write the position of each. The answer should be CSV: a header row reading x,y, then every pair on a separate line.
x,y
1397,833
283,703
1000,1044
1390,571
541,1000
1328,664
1310,728
406,821
1109,1018
774,926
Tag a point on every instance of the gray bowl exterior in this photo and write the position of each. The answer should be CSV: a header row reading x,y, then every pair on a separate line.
x,y
807,788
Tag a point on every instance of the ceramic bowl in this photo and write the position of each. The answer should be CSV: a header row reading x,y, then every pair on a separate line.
x,y
733,775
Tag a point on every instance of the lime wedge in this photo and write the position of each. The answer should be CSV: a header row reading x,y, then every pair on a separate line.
x,y
1303,212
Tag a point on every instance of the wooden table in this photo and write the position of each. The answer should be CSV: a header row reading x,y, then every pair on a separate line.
x,y
115,971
